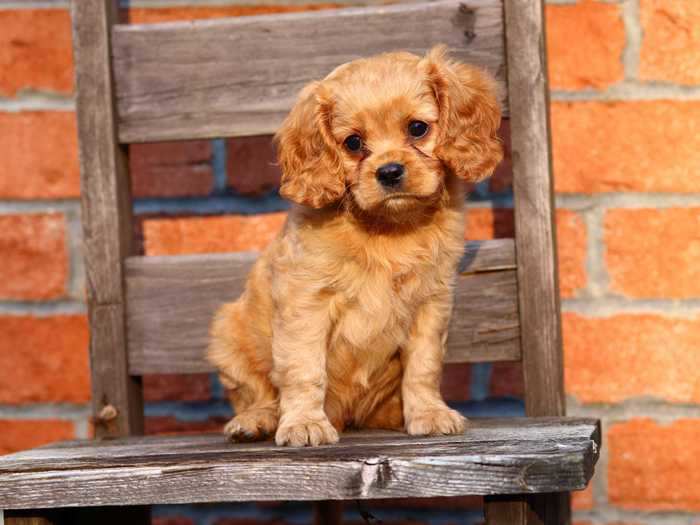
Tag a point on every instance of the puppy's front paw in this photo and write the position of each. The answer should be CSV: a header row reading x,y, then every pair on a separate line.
x,y
302,432
435,421
251,425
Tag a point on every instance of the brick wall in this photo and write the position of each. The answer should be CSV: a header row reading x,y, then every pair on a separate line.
x,y
625,78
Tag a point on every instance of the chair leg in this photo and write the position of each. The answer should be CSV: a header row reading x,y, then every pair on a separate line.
x,y
328,513
540,509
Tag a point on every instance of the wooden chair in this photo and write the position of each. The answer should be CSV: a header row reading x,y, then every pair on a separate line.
x,y
238,77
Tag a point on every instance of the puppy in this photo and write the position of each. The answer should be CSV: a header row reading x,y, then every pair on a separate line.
x,y
344,317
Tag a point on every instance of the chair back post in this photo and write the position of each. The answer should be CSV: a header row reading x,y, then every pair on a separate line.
x,y
535,242
106,217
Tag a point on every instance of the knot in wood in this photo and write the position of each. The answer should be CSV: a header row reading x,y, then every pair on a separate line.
x,y
376,472
107,414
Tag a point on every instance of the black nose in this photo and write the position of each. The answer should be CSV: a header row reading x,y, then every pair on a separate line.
x,y
390,174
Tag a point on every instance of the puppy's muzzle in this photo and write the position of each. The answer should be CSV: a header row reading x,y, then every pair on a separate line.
x,y
390,175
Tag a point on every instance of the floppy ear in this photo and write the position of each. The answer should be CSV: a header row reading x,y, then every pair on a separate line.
x,y
312,168
469,116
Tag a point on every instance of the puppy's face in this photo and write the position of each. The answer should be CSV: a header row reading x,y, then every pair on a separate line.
x,y
384,119
383,133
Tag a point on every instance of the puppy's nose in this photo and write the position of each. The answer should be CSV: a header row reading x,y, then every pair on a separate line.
x,y
390,174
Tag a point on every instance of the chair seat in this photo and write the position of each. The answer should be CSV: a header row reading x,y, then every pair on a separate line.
x,y
494,456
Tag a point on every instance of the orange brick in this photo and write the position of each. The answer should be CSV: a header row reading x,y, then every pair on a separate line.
x,y
34,257
607,360
229,233
626,146
171,14
47,357
593,57
653,252
35,51
487,223
582,499
653,466
39,151
571,247
21,434
671,41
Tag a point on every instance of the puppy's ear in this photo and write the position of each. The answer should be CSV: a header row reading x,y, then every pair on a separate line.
x,y
469,116
312,168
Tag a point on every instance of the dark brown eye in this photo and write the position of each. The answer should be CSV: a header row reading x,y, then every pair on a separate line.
x,y
417,129
353,143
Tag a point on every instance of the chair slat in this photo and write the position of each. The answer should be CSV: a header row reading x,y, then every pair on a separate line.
x,y
240,76
169,335
506,456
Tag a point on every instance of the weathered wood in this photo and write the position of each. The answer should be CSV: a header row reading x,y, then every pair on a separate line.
x,y
197,80
534,224
172,299
494,457
106,218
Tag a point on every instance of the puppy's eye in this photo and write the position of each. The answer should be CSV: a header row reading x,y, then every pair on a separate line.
x,y
353,143
417,129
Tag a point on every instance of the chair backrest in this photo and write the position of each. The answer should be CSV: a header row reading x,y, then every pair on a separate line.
x,y
140,83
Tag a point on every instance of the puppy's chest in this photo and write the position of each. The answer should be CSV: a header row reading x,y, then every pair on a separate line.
x,y
378,308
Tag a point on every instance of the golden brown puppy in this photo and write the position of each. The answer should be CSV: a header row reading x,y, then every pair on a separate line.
x,y
344,317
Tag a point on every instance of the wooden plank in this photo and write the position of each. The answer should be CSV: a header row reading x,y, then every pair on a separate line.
x,y
506,456
172,299
534,206
534,224
106,218
505,510
197,80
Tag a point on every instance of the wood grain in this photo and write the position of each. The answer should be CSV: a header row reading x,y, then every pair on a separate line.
x,y
197,79
172,299
106,218
535,240
506,456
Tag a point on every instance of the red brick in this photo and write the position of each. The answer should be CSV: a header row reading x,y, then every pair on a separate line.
x,y
653,252
608,360
507,380
593,57
487,223
48,357
456,381
571,247
39,151
35,51
670,41
171,387
646,146
21,434
167,425
252,165
171,169
230,233
653,466
136,15
34,257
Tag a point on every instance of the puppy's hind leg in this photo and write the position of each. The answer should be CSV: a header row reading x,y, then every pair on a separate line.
x,y
244,366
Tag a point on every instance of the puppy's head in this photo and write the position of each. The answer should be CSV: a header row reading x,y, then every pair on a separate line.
x,y
388,130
